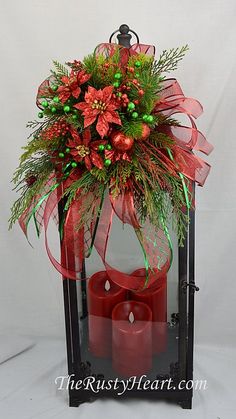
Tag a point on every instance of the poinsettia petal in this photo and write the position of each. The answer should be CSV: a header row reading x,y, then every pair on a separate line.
x,y
71,144
96,159
86,137
88,120
90,95
81,106
76,92
83,77
102,126
64,95
106,93
87,162
74,153
112,116
65,79
112,106
75,136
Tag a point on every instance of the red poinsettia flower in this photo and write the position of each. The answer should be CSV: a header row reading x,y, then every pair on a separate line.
x,y
83,149
100,105
71,85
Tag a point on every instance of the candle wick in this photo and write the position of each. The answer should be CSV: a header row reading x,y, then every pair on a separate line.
x,y
131,317
107,285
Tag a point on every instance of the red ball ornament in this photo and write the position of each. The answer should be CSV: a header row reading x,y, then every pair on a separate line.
x,y
121,142
145,132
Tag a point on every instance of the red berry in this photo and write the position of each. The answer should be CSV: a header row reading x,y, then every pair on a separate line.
x,y
131,69
141,92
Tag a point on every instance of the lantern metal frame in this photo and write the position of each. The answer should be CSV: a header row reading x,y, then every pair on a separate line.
x,y
180,371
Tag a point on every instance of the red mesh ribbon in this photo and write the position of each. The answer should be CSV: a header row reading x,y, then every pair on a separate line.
x,y
124,209
172,101
109,49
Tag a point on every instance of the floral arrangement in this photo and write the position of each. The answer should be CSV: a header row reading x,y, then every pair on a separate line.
x,y
107,142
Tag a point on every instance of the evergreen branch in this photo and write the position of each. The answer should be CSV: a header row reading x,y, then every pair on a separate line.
x,y
169,60
61,69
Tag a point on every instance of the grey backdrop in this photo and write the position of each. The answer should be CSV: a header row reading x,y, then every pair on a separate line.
x,y
32,33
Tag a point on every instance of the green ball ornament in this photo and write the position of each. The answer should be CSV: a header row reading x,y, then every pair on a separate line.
x,y
40,114
45,103
131,106
116,84
137,64
66,108
67,150
135,115
74,164
53,109
74,117
56,99
101,147
61,155
107,162
150,119
54,87
118,76
119,94
137,75
145,117
108,147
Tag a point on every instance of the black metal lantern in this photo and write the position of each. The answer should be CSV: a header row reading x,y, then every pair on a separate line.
x,y
170,366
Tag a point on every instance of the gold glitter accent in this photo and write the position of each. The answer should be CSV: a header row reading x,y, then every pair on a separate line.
x,y
99,105
83,151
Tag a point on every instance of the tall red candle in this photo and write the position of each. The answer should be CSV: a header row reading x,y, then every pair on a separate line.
x,y
131,338
101,302
156,299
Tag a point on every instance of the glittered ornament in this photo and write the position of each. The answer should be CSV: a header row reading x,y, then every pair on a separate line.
x,y
107,162
150,119
101,147
45,103
131,106
66,108
145,132
137,64
121,142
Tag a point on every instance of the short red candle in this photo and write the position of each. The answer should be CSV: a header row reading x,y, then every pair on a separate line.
x,y
131,342
156,299
100,305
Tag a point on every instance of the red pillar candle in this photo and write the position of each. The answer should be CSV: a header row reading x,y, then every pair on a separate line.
x,y
103,295
156,299
131,338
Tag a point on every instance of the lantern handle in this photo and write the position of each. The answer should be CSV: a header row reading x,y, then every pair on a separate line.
x,y
124,36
